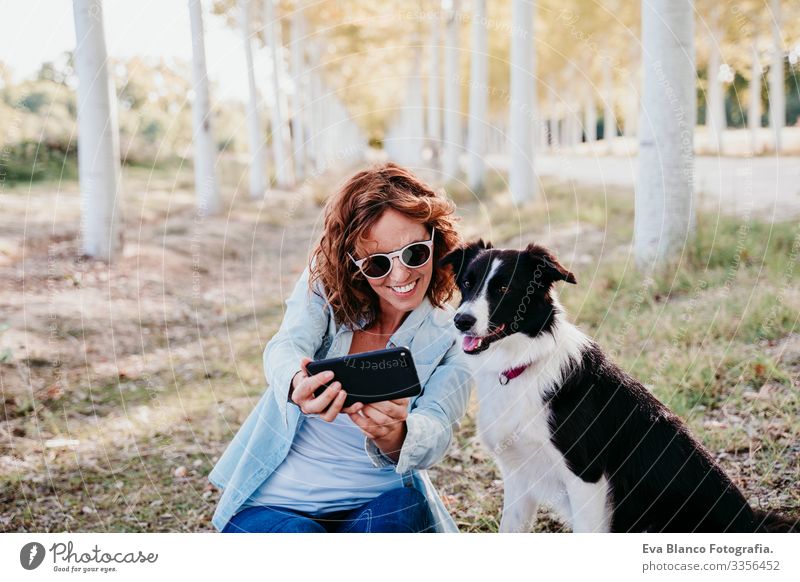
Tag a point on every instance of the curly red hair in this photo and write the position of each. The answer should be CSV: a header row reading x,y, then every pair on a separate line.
x,y
351,212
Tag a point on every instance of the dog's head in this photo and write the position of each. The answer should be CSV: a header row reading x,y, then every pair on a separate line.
x,y
503,292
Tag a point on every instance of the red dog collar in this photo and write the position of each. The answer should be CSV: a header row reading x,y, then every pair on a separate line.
x,y
507,375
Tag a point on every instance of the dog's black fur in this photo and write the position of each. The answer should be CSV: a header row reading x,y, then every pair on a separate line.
x,y
604,422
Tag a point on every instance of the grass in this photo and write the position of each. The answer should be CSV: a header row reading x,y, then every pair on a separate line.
x,y
154,405
706,338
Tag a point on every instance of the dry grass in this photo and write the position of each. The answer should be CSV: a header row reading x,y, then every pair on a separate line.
x,y
122,385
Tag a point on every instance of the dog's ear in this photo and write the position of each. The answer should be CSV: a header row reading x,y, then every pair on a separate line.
x,y
547,261
460,257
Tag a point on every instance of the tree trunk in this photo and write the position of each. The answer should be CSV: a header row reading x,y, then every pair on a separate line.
x,y
258,173
537,127
299,113
590,118
609,119
552,116
408,135
452,96
478,99
577,129
715,100
205,180
777,97
664,198
754,108
632,105
544,135
521,178
280,134
319,110
434,128
569,127
98,136
631,114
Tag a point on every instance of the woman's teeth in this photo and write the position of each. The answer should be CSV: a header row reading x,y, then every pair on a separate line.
x,y
405,289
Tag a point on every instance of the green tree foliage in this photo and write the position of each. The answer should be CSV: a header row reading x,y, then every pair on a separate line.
x,y
39,117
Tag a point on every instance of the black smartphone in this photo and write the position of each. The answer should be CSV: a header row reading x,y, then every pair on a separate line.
x,y
374,376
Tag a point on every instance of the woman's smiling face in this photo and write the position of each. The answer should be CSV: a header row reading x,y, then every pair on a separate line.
x,y
392,231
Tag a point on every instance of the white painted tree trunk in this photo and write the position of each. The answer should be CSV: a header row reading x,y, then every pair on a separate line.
x,y
299,97
416,109
258,171
562,123
535,110
544,134
205,179
777,96
318,124
754,108
609,119
434,125
478,99
715,100
631,100
552,115
568,127
520,147
590,118
409,133
664,195
280,130
576,128
452,95
631,115
98,136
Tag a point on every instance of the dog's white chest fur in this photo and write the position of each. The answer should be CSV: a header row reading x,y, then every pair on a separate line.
x,y
513,423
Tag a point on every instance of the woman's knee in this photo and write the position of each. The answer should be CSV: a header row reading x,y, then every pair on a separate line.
x,y
405,498
403,509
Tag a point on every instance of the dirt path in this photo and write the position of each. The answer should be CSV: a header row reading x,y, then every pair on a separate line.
x,y
768,187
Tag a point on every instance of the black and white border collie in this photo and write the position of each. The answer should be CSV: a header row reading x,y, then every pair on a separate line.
x,y
566,426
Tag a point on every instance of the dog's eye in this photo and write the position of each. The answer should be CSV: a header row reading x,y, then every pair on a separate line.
x,y
466,283
502,289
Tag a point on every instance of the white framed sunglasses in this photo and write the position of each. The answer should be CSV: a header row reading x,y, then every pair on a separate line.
x,y
413,256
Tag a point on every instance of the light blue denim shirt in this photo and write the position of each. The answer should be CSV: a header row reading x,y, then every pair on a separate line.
x,y
309,329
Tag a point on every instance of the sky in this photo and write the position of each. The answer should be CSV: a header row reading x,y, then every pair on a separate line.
x,y
36,31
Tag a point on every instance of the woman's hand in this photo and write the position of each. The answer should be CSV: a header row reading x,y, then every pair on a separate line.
x,y
383,422
328,404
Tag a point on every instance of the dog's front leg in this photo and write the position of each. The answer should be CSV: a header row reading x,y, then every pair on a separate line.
x,y
590,506
519,510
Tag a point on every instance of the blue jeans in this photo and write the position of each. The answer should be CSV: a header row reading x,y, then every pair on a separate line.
x,y
399,510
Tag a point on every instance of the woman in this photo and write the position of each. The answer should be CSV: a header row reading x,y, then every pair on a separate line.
x,y
301,463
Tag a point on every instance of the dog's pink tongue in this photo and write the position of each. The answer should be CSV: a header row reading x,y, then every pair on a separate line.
x,y
470,343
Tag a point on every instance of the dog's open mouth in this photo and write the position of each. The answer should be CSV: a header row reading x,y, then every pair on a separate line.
x,y
473,344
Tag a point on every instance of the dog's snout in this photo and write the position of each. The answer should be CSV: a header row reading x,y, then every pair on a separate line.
x,y
464,321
